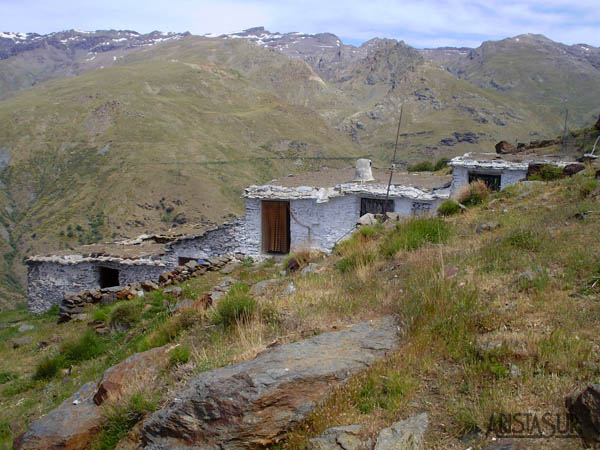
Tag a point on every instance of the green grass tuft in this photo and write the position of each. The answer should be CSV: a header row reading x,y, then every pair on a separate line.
x,y
449,208
237,306
414,233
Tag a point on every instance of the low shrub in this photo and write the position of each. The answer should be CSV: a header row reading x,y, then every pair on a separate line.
x,y
125,315
179,355
87,347
547,173
48,368
525,239
248,262
169,330
120,419
414,233
449,208
5,377
473,193
428,166
587,187
101,314
423,166
237,306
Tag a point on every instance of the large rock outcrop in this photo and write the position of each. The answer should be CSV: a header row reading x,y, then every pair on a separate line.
x,y
254,402
73,425
584,406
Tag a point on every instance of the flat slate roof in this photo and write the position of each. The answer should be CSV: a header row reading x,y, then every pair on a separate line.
x,y
326,177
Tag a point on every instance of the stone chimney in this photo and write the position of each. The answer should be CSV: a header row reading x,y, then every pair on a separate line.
x,y
363,171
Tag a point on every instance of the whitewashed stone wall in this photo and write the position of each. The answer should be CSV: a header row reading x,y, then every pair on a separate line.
x,y
253,226
48,282
328,222
508,177
227,238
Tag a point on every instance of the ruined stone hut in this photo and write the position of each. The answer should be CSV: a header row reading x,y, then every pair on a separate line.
x,y
501,170
318,209
108,265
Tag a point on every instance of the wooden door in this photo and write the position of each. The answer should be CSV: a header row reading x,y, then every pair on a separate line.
x,y
275,227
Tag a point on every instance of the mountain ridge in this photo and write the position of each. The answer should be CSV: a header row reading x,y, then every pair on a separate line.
x,y
166,130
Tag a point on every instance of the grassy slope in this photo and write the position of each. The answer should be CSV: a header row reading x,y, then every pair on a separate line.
x,y
465,332
188,124
181,127
537,71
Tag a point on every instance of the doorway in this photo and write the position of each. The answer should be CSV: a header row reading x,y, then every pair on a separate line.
x,y
275,227
493,181
108,277
375,206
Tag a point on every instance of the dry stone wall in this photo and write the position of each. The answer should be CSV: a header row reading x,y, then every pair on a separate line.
x,y
229,238
50,281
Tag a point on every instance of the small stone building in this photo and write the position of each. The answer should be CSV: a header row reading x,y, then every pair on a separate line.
x,y
313,210
121,263
316,210
502,170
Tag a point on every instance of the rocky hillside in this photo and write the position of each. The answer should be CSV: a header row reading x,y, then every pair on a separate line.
x,y
111,134
432,329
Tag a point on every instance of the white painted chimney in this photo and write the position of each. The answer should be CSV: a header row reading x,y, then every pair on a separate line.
x,y
363,171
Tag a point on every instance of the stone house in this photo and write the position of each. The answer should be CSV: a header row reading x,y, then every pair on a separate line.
x,y
316,210
501,170
98,266
313,210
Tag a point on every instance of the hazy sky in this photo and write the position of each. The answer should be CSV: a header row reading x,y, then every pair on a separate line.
x,y
421,23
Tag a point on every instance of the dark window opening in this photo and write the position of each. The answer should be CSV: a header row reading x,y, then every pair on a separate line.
x,y
276,227
492,181
184,259
108,277
419,208
375,206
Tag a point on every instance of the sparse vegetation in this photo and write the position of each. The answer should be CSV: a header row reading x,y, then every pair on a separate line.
x,y
449,208
547,173
121,417
515,327
238,306
428,166
414,233
473,193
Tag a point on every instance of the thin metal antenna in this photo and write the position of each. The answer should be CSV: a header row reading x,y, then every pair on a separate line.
x,y
387,194
564,137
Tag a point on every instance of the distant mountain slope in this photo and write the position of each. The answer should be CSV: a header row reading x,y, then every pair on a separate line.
x,y
111,134
532,68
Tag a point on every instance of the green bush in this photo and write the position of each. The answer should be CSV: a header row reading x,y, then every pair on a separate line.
x,y
547,173
587,187
101,314
441,163
89,346
428,166
235,307
179,355
5,377
355,259
48,368
248,262
423,166
525,239
449,208
414,233
169,330
367,232
125,315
